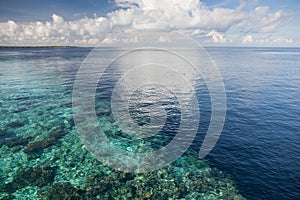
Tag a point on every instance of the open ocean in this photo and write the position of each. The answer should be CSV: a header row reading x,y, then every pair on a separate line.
x,y
256,157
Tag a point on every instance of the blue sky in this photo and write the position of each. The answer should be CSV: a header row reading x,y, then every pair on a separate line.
x,y
227,22
32,10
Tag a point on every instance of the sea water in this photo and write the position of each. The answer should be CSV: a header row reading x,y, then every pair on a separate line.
x,y
257,155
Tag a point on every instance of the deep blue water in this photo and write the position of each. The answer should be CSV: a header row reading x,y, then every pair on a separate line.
x,y
260,143
261,138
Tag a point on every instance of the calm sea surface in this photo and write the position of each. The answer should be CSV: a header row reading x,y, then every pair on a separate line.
x,y
259,147
261,138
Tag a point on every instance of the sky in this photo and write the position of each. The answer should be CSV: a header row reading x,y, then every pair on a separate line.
x,y
92,22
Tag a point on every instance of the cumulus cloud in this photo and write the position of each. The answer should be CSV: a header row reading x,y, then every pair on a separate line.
x,y
176,14
191,16
271,40
263,21
216,37
85,31
247,39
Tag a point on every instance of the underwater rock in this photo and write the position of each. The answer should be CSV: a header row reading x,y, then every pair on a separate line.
x,y
2,132
118,133
16,124
105,112
186,178
66,105
57,134
38,176
110,186
20,110
59,191
1,142
38,146
194,195
101,188
30,176
51,138
238,197
8,197
98,183
16,141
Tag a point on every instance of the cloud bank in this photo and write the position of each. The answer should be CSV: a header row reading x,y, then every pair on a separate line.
x,y
210,25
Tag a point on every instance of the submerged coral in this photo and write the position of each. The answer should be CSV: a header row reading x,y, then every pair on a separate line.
x,y
8,197
30,176
79,175
51,139
2,132
60,191
16,124
15,141
37,146
183,179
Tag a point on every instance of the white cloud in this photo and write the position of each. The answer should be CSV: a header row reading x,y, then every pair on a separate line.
x,y
87,42
247,39
270,40
261,20
274,40
57,19
190,16
216,37
176,14
271,22
111,39
85,31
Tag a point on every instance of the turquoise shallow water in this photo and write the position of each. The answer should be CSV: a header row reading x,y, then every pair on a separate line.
x,y
42,156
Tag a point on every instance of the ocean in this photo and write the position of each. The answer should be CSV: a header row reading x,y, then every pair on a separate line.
x,y
256,157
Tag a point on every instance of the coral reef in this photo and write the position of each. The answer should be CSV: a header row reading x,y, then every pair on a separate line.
x,y
181,180
2,132
17,140
15,143
8,197
38,146
62,191
16,124
37,176
51,139
78,175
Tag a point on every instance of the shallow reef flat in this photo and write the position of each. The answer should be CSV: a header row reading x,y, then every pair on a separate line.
x,y
43,157
47,160
70,172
